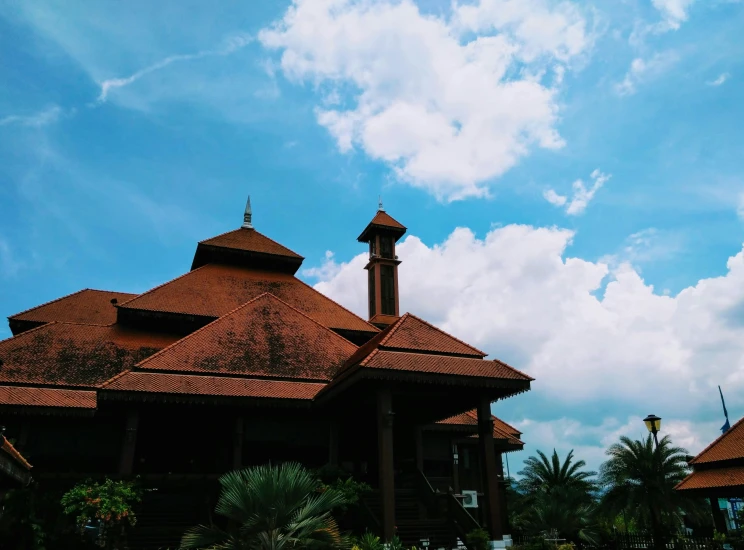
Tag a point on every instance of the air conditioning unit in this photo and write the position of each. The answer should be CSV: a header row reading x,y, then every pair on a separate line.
x,y
470,499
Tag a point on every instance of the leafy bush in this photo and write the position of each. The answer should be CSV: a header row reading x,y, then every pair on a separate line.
x,y
368,541
110,505
477,539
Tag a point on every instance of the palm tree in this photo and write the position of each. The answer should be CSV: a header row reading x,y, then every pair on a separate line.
x,y
543,474
639,481
271,508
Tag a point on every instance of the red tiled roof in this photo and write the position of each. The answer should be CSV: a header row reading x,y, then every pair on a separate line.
x,y
470,418
189,384
506,428
441,364
382,219
214,290
24,396
67,354
728,446
264,337
250,240
712,479
9,449
87,306
415,334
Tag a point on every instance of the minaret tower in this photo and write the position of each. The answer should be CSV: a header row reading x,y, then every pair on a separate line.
x,y
382,233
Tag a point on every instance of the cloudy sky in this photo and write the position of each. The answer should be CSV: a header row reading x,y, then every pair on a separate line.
x,y
570,173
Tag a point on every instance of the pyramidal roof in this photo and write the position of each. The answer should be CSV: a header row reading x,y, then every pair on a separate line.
x,y
384,221
265,337
250,240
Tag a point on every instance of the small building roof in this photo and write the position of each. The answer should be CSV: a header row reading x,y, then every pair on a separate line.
x,y
717,478
501,430
264,337
87,306
214,290
728,446
11,451
54,398
385,222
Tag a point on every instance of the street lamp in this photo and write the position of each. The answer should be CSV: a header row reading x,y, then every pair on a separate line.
x,y
653,423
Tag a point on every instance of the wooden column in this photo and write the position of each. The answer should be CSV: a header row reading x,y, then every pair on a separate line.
x,y
455,466
719,522
333,444
126,462
489,470
502,494
237,458
386,465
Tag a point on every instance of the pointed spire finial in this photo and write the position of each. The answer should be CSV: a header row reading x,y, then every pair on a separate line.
x,y
379,204
248,216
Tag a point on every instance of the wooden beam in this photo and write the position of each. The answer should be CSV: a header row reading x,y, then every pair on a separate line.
x,y
502,493
489,471
126,461
419,448
719,522
385,451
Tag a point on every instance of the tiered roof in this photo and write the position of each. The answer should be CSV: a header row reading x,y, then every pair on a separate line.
x,y
214,290
265,335
382,221
720,465
88,306
507,436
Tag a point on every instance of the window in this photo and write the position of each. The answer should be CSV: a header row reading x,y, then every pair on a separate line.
x,y
371,284
386,246
387,280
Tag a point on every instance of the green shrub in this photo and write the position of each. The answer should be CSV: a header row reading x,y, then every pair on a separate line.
x,y
477,539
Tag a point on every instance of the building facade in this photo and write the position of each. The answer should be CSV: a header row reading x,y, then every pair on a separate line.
x,y
237,363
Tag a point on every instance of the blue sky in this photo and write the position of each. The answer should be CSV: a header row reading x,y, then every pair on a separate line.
x,y
128,132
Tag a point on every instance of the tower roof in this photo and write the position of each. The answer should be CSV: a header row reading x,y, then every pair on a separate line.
x,y
382,222
246,246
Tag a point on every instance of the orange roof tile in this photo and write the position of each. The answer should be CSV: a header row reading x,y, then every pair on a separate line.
x,y
264,337
442,364
9,449
384,220
506,428
68,354
728,446
214,290
415,334
189,384
87,306
470,418
250,240
712,479
24,396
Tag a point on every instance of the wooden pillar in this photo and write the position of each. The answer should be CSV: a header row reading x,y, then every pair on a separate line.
x,y
419,435
719,522
126,462
455,467
237,458
488,470
386,464
502,494
333,444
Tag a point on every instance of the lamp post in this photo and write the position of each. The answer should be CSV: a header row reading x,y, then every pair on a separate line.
x,y
653,423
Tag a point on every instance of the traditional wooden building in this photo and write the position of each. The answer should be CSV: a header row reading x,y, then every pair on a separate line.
x,y
239,362
718,474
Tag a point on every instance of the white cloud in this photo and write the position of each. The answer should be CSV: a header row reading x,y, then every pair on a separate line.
x,y
674,12
231,45
722,78
42,118
582,195
644,69
448,102
621,352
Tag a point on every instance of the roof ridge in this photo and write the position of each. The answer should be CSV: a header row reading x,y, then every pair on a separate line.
x,y
47,303
395,327
335,302
258,232
500,362
716,441
427,323
29,331
113,379
153,289
232,312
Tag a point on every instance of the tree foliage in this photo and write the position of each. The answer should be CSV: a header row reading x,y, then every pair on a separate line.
x,y
272,508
